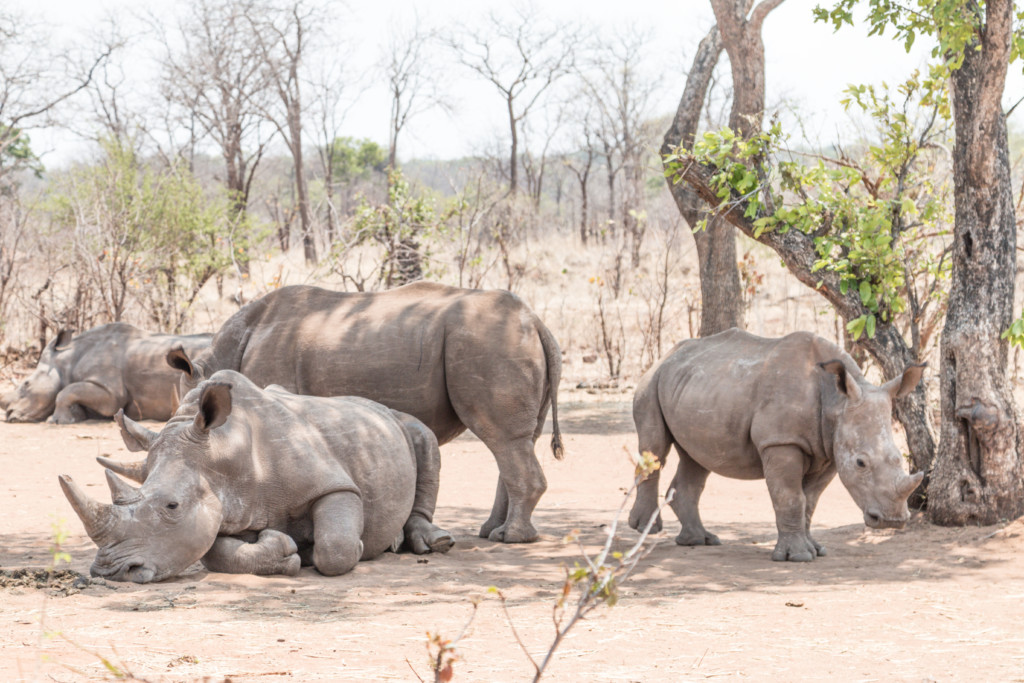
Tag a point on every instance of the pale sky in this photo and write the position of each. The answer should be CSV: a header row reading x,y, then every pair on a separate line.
x,y
807,64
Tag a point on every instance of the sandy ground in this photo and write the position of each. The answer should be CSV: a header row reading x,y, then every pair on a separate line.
x,y
917,605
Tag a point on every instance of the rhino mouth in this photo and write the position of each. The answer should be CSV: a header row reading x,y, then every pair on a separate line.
x,y
876,520
135,571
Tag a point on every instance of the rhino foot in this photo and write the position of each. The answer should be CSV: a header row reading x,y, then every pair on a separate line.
x,y
507,533
794,548
281,554
424,537
489,526
698,537
640,514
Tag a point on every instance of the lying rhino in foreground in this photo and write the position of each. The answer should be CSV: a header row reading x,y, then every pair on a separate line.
x,y
453,358
258,481
792,411
108,368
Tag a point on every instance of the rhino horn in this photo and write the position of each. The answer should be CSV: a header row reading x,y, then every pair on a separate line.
x,y
136,437
96,517
136,471
121,492
909,484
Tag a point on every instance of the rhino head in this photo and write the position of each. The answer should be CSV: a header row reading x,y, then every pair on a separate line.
x,y
34,399
866,458
158,530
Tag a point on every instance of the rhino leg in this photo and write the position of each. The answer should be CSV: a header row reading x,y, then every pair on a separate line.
x,y
421,535
337,532
689,485
654,438
273,552
784,473
524,483
75,400
499,511
813,485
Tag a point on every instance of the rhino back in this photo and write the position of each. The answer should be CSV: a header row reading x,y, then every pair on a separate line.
x,y
727,397
394,347
98,355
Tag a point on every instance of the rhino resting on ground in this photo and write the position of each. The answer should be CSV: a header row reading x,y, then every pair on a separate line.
x,y
108,368
793,411
453,358
262,481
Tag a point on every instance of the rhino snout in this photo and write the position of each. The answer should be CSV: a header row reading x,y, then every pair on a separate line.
x,y
136,572
876,520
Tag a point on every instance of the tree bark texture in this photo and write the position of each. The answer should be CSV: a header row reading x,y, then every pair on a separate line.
x,y
978,474
721,297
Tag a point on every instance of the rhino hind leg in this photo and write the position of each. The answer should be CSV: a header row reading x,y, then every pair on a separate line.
x,y
499,511
654,438
689,485
524,483
273,552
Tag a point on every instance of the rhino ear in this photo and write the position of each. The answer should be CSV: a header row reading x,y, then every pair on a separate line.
x,y
847,385
903,386
214,406
63,338
179,360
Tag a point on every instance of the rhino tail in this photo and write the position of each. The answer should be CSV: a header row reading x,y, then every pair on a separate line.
x,y
553,360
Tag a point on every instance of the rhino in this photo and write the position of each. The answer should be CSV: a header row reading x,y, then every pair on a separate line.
x,y
103,370
257,481
794,411
453,358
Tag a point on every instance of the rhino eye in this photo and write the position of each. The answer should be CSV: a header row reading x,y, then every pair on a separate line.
x,y
172,506
861,463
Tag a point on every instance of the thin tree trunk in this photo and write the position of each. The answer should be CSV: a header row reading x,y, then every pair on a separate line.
x,y
513,169
977,477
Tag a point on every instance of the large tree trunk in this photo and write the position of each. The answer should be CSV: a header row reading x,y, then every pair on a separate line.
x,y
977,477
721,300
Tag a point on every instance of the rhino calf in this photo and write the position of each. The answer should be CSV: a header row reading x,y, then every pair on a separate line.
x,y
793,411
108,368
260,481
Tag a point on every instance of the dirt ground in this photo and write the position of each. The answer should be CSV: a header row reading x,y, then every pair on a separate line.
x,y
916,605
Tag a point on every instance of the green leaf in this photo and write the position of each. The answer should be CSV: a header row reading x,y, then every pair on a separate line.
x,y
865,292
870,327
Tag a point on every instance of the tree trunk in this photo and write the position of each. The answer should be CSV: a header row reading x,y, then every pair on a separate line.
x,y
513,169
977,477
721,300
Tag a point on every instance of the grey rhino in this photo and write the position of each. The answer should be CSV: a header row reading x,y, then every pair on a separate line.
x,y
793,411
260,481
453,358
95,374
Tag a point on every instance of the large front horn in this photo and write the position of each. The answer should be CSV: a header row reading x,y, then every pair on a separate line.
x,y
910,484
136,437
120,492
96,517
136,471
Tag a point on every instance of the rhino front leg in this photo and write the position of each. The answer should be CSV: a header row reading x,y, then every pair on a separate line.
x,y
273,552
784,473
74,401
421,535
689,485
813,485
337,532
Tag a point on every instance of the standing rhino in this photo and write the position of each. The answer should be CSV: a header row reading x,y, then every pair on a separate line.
x,y
793,411
260,481
103,370
453,358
